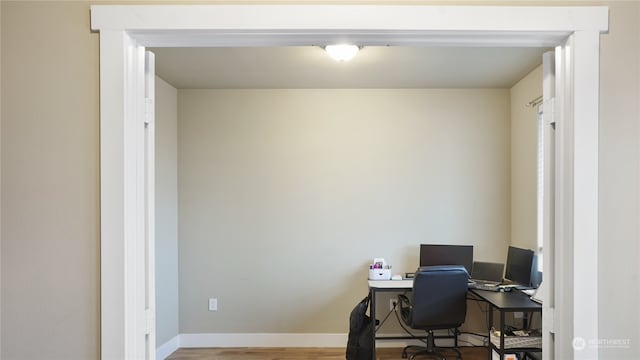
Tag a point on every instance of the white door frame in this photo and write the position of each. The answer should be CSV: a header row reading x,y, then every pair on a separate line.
x,y
549,203
126,30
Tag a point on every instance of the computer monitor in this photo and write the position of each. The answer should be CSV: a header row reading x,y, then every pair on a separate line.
x,y
431,254
519,266
487,271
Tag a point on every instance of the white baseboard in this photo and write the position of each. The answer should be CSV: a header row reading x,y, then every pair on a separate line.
x,y
219,340
166,349
294,340
263,340
470,340
463,340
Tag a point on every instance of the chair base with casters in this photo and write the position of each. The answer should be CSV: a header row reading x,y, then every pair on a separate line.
x,y
430,350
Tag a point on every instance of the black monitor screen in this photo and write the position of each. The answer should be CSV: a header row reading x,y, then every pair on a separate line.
x,y
519,262
447,255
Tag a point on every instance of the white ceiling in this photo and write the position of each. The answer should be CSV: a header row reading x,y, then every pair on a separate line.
x,y
299,67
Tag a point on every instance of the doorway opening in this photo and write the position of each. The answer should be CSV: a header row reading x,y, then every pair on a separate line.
x,y
125,31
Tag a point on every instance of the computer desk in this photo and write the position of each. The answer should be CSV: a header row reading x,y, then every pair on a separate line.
x,y
503,302
376,286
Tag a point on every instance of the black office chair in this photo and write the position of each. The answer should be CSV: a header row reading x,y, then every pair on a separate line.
x,y
438,301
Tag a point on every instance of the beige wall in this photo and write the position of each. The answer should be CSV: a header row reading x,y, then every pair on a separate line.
x,y
619,182
1,287
50,180
166,127
286,196
524,154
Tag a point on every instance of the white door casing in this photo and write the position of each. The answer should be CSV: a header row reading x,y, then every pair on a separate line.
x,y
126,30
548,213
150,206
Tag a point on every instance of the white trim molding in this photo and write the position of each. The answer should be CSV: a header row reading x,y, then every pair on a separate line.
x,y
288,25
327,18
262,340
126,29
163,351
586,100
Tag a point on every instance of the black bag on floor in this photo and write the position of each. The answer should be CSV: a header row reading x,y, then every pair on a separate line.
x,y
360,341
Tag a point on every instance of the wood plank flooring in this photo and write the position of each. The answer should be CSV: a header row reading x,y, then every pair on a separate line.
x,y
476,353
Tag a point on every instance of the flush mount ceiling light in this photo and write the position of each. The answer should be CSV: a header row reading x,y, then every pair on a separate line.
x,y
342,52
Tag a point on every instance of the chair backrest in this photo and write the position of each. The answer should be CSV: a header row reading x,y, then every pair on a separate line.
x,y
439,297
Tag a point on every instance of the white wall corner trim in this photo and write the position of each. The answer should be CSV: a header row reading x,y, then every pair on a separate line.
x,y
126,30
163,351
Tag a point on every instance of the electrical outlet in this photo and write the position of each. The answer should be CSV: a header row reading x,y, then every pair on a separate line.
x,y
518,315
213,304
393,303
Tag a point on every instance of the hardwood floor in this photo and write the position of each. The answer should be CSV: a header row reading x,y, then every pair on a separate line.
x,y
476,353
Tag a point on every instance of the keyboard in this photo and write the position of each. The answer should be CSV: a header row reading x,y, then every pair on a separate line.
x,y
481,286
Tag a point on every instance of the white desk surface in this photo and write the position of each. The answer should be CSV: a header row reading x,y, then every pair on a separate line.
x,y
391,284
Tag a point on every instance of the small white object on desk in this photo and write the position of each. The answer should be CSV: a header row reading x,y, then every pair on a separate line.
x,y
396,277
379,274
379,270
